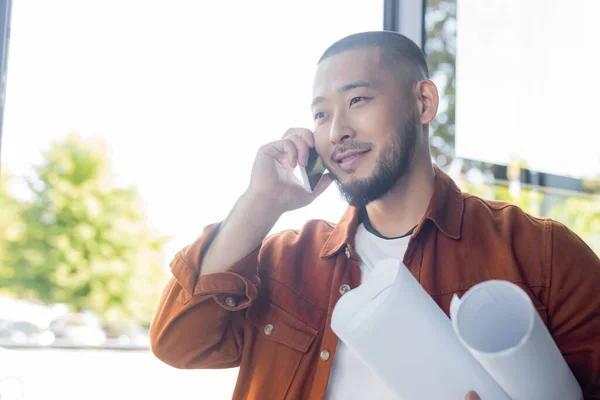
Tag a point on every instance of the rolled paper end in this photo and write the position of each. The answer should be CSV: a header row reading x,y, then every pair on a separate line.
x,y
493,317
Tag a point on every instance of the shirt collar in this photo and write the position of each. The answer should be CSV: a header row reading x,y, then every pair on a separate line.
x,y
445,210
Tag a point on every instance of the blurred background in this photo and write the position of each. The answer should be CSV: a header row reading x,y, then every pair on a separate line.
x,y
130,125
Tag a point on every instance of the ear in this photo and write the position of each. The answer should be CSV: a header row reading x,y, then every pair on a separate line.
x,y
427,101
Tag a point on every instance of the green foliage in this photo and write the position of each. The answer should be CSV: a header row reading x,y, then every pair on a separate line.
x,y
84,241
582,215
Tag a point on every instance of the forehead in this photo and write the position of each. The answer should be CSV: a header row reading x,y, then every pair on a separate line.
x,y
362,64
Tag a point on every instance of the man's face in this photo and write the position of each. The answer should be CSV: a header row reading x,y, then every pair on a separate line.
x,y
365,125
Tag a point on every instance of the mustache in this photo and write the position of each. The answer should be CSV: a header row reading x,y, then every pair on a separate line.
x,y
347,146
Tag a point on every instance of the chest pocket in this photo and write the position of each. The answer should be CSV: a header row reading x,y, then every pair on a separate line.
x,y
280,342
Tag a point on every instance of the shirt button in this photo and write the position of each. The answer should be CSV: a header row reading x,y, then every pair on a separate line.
x,y
347,251
230,301
325,355
268,329
344,289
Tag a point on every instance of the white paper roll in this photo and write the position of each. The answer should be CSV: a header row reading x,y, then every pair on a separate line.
x,y
402,335
498,323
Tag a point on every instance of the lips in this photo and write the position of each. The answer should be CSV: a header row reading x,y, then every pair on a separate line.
x,y
349,161
349,156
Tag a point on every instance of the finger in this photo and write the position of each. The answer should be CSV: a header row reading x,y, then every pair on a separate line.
x,y
303,149
275,151
291,152
305,134
472,396
283,151
308,137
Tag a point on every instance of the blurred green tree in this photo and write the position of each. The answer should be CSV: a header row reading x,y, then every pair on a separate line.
x,y
582,215
85,242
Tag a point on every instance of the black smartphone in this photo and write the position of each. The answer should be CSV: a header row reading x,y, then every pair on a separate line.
x,y
314,170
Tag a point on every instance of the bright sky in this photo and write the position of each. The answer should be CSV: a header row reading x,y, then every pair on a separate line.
x,y
184,94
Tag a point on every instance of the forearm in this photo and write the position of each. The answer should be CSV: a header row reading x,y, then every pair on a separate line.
x,y
197,323
248,223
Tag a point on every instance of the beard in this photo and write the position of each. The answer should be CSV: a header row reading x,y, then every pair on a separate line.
x,y
394,162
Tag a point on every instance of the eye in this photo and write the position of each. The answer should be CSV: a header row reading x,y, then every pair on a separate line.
x,y
356,100
319,115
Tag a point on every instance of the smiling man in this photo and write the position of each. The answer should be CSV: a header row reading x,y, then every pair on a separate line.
x,y
239,299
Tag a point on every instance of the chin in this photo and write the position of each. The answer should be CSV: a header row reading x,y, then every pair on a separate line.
x,y
359,173
349,179
355,175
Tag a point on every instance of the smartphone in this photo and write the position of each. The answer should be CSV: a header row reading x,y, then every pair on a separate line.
x,y
314,170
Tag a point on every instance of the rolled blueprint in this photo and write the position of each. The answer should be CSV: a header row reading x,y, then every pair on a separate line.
x,y
398,331
498,323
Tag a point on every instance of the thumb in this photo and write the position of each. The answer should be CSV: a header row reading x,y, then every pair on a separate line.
x,y
323,184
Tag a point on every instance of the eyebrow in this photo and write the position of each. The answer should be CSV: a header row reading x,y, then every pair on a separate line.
x,y
346,88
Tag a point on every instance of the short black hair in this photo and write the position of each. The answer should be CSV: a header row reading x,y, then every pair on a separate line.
x,y
396,50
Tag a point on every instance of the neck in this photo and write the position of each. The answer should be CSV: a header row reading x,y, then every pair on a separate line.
x,y
404,206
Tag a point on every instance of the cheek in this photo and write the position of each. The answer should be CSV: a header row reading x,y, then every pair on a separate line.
x,y
375,122
386,129
322,145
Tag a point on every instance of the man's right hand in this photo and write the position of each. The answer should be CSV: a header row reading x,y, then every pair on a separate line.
x,y
273,178
273,190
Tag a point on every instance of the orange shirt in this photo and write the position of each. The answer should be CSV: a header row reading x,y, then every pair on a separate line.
x,y
270,315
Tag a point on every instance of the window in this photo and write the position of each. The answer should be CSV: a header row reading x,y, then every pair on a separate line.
x,y
175,100
514,123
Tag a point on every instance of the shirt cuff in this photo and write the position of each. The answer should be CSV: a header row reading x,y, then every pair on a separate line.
x,y
233,290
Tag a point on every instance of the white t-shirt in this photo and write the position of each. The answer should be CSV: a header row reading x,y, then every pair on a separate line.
x,y
350,378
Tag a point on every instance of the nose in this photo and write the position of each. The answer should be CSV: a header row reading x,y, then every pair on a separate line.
x,y
341,130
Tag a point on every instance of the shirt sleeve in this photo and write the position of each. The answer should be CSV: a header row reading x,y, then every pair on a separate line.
x,y
199,321
574,306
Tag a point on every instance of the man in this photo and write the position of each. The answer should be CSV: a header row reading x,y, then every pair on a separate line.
x,y
265,305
